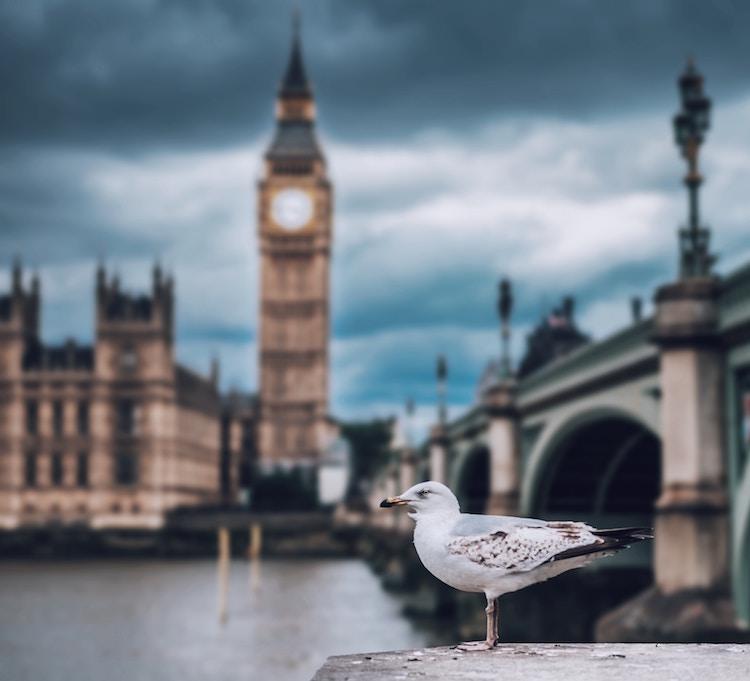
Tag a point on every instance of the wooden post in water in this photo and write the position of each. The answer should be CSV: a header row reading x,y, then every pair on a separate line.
x,y
256,541
223,565
253,553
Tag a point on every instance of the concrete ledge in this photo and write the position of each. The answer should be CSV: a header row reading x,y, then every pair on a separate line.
x,y
549,662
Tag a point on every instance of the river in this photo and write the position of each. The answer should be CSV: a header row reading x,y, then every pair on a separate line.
x,y
143,620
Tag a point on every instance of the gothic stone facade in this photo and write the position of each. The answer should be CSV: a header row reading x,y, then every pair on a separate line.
x,y
294,230
109,436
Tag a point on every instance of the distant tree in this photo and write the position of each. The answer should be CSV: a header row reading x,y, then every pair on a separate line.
x,y
369,449
282,490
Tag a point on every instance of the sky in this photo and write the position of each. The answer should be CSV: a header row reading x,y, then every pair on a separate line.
x,y
466,141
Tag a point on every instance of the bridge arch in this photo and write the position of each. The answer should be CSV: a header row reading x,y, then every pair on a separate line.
x,y
602,465
472,479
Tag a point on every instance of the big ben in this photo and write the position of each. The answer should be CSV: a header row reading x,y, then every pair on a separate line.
x,y
294,234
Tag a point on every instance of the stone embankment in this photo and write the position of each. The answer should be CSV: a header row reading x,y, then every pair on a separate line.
x,y
549,662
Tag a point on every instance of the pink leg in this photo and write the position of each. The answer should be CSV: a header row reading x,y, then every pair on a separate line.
x,y
492,625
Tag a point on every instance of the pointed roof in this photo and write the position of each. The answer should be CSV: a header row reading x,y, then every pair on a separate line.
x,y
295,83
294,140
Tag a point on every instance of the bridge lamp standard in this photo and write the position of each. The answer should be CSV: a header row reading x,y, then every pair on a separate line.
x,y
441,372
504,310
690,126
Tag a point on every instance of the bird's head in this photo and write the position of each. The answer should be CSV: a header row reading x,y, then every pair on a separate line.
x,y
425,497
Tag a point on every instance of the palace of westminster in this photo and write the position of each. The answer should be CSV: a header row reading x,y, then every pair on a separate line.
x,y
117,434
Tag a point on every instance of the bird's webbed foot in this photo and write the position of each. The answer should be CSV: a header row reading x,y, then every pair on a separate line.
x,y
474,646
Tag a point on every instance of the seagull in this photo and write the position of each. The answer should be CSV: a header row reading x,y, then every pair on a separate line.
x,y
496,555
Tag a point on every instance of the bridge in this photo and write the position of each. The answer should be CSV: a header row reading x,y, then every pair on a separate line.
x,y
648,426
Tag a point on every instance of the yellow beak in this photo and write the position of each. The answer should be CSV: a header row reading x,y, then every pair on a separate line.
x,y
392,501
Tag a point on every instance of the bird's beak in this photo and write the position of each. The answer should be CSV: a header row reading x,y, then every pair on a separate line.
x,y
392,501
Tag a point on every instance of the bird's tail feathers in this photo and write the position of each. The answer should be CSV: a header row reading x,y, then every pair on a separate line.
x,y
634,533
612,541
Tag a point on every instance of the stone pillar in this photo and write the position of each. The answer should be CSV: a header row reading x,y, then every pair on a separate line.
x,y
499,401
690,600
407,470
439,454
401,476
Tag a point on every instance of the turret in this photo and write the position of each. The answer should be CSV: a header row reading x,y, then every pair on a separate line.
x,y
142,312
19,319
19,310
134,332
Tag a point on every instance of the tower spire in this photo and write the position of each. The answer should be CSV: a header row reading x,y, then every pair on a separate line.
x,y
295,139
295,83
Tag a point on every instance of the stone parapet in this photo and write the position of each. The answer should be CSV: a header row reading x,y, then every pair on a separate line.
x,y
687,313
546,662
499,399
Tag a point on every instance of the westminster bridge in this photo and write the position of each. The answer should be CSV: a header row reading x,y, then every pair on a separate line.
x,y
646,427
650,426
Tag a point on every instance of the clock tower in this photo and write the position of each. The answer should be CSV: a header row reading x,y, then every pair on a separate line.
x,y
294,234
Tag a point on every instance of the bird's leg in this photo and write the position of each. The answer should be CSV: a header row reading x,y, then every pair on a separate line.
x,y
491,638
496,623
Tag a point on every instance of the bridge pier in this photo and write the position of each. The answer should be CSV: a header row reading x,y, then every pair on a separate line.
x,y
690,600
439,454
499,401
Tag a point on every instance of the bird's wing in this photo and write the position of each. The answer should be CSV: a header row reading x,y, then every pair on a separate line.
x,y
521,546
469,524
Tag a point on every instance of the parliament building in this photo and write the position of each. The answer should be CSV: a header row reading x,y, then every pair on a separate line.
x,y
115,435
111,435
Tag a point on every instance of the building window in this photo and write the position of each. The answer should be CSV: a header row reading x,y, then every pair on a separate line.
x,y
279,441
56,470
32,417
82,469
57,418
126,469
83,418
277,388
128,360
30,467
126,417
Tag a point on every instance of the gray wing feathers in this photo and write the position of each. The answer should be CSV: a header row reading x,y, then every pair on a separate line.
x,y
521,547
469,524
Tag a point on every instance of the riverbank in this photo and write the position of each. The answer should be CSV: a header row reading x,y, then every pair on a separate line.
x,y
190,534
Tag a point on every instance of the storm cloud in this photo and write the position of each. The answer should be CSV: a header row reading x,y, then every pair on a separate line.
x,y
466,141
192,72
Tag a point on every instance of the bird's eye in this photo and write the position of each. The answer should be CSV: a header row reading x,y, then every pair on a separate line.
x,y
423,493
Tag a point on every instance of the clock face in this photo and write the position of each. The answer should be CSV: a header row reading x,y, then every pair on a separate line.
x,y
292,208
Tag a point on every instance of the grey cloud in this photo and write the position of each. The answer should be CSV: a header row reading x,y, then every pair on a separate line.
x,y
48,215
195,72
143,76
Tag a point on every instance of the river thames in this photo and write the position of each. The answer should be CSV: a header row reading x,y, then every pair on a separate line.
x,y
137,620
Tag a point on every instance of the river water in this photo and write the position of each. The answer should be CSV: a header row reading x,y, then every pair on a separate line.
x,y
138,620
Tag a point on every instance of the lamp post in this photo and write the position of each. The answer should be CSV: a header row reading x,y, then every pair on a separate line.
x,y
690,126
504,309
441,370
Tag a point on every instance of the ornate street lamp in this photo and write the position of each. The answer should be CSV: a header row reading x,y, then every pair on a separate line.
x,y
441,370
504,309
690,126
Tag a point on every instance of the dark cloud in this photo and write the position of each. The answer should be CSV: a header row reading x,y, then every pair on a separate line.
x,y
103,100
48,215
192,72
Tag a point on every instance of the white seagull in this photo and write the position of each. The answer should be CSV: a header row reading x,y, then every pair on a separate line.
x,y
497,555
